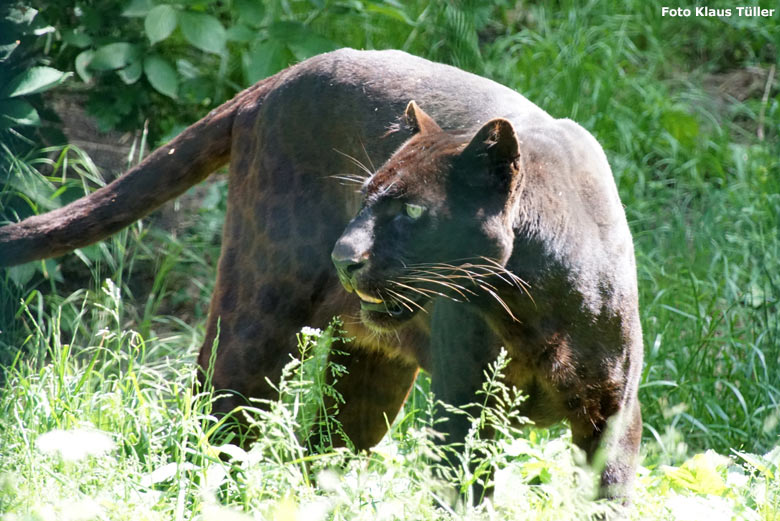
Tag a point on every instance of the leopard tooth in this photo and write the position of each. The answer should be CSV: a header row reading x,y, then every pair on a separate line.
x,y
368,298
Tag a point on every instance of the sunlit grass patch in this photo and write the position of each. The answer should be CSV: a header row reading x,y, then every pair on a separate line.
x,y
80,473
74,444
152,459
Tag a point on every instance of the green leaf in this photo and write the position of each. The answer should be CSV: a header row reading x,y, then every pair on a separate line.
x,y
311,45
82,64
131,73
160,23
161,75
186,69
389,11
7,49
40,31
704,473
17,112
264,58
76,38
196,91
21,275
15,22
203,31
137,8
19,15
240,33
31,81
300,39
251,12
114,56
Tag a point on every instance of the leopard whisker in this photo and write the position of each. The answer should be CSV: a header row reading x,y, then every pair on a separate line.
x,y
396,298
487,288
476,270
400,296
446,276
478,279
447,268
450,264
422,291
384,300
432,270
355,161
477,273
370,163
518,282
441,277
485,284
466,263
503,275
455,287
351,319
501,272
447,273
494,268
349,178
497,265
501,302
395,331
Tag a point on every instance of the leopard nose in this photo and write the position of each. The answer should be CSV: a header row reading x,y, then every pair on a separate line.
x,y
347,262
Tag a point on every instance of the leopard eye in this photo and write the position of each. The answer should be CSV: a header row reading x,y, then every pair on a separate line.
x,y
414,211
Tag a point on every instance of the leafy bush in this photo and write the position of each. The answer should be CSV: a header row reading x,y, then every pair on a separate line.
x,y
24,74
137,55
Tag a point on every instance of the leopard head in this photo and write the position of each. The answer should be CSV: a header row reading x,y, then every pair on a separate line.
x,y
436,221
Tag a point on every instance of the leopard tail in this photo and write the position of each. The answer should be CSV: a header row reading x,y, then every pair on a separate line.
x,y
166,173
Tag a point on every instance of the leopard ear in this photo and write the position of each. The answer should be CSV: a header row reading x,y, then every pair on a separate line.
x,y
419,121
496,142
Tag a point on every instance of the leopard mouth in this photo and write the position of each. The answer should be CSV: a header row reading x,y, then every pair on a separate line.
x,y
368,299
389,308
387,314
377,305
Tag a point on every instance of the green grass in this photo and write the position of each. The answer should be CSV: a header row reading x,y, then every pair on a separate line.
x,y
113,350
112,430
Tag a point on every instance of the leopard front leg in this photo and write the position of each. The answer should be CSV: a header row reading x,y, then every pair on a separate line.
x,y
462,347
370,391
258,307
612,448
